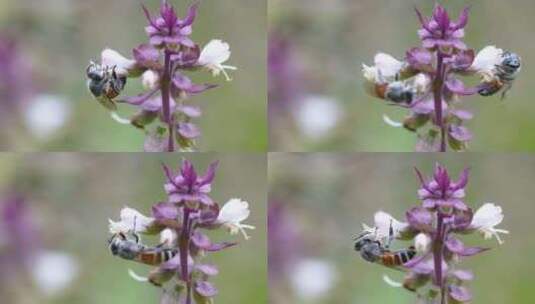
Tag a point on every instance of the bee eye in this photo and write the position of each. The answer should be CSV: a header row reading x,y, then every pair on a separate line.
x,y
114,249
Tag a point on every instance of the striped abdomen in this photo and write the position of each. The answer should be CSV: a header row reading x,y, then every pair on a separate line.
x,y
397,258
156,257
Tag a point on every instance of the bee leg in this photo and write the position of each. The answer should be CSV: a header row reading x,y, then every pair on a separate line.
x,y
505,90
390,235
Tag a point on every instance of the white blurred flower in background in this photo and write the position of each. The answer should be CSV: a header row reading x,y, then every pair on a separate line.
x,y
312,278
46,114
54,271
317,115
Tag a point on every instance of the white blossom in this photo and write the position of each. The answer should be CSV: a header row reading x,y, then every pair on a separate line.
x,y
385,69
131,220
150,80
422,242
213,55
486,60
112,58
383,221
486,218
232,214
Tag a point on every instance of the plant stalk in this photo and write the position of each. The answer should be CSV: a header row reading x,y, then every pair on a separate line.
x,y
438,84
166,100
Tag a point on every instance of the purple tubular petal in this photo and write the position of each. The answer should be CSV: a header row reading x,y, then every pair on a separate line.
x,y
172,264
220,246
190,111
201,240
460,133
420,219
169,175
422,20
207,269
190,17
470,251
420,59
455,245
187,171
138,99
165,211
462,219
462,114
209,215
456,86
460,293
463,275
209,175
188,130
149,18
463,19
205,289
146,55
462,181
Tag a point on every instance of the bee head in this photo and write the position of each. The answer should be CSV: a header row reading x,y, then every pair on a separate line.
x,y
511,60
361,241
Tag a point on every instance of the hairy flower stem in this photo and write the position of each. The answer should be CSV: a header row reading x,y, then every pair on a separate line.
x,y
165,87
185,236
437,93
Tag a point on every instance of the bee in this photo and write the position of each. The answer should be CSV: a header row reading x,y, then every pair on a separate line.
x,y
105,84
128,249
504,75
402,91
374,251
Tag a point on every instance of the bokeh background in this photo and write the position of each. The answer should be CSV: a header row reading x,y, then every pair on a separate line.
x,y
69,199
44,101
318,202
317,47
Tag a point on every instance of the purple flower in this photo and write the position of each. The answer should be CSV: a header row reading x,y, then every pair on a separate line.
x,y
434,227
440,31
168,30
441,191
428,82
182,223
187,186
161,65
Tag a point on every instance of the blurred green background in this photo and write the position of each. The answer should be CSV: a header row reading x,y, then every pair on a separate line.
x,y
327,198
58,38
71,198
330,39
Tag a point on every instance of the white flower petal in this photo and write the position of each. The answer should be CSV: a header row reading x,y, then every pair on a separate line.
x,y
391,282
486,218
168,236
233,213
137,277
112,58
150,80
115,116
383,221
387,66
486,60
391,122
422,242
131,220
213,55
